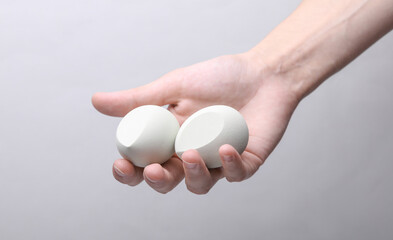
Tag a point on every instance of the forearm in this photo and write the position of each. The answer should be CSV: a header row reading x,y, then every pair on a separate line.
x,y
320,37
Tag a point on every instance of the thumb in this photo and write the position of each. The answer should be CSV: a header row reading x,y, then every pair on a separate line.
x,y
160,92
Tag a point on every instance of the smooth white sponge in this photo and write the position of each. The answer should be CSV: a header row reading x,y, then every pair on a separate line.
x,y
208,129
146,135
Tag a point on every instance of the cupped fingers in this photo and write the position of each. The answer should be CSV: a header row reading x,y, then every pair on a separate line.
x,y
233,166
125,172
163,178
198,178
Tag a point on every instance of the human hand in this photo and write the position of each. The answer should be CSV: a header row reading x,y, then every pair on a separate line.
x,y
264,84
265,100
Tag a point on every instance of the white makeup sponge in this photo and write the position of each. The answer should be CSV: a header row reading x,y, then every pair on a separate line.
x,y
146,135
208,129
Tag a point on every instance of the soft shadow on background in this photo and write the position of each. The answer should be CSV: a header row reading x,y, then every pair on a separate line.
x,y
330,177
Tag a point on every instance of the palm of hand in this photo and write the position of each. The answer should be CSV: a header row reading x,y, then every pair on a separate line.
x,y
228,80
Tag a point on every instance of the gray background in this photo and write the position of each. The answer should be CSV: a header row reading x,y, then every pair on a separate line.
x,y
330,177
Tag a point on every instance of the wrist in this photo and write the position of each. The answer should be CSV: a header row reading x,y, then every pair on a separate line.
x,y
287,71
319,39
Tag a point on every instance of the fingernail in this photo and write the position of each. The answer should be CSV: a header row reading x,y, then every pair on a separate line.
x,y
228,158
119,172
191,166
152,180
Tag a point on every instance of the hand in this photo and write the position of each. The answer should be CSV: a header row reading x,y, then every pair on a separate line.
x,y
265,100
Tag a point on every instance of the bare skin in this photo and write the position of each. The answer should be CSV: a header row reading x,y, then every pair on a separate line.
x,y
265,84
198,86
